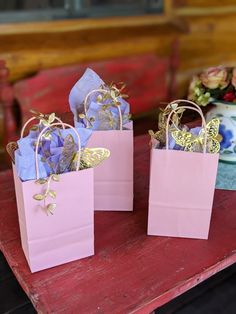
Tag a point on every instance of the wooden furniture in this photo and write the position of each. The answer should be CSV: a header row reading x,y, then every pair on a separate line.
x,y
34,46
211,26
149,80
131,272
37,46
210,40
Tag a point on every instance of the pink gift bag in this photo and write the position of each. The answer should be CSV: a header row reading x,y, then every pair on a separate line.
x,y
181,190
113,180
68,234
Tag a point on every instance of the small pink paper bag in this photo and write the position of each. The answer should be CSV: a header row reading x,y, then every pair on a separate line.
x,y
68,234
181,192
103,109
113,180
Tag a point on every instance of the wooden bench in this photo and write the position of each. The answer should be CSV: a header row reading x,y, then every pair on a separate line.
x,y
149,80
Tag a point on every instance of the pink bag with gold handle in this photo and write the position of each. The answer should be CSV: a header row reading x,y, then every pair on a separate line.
x,y
68,234
181,191
113,180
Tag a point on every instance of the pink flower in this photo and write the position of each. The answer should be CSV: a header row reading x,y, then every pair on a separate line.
x,y
233,81
215,77
230,96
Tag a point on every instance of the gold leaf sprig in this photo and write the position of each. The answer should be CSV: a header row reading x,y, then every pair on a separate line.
x,y
47,192
44,119
90,120
114,93
108,97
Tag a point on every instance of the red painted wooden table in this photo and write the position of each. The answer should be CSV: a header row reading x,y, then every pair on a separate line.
x,y
131,272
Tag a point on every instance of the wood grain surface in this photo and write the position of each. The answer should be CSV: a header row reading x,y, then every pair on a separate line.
x,y
208,39
131,272
30,47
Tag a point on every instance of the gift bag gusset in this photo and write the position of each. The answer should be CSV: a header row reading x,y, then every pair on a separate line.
x,y
107,115
182,182
56,213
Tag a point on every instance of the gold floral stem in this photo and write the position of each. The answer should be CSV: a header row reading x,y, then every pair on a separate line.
x,y
104,92
34,118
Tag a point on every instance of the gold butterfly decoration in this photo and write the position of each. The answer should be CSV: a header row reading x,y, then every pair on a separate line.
x,y
68,160
108,97
195,143
160,135
90,158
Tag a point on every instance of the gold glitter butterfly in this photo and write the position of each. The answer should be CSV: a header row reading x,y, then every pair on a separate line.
x,y
160,135
90,158
195,143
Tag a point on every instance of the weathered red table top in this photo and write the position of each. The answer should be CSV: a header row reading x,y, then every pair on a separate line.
x,y
131,272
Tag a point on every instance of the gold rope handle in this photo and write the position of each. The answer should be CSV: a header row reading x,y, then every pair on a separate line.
x,y
197,109
177,101
104,91
40,136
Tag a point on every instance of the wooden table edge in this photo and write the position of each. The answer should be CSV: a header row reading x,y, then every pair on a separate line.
x,y
183,287
144,308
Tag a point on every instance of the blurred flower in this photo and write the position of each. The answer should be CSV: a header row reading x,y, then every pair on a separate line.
x,y
227,135
197,93
233,80
230,96
216,83
215,77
